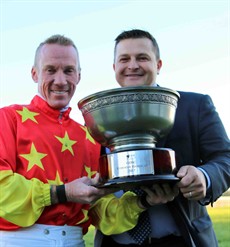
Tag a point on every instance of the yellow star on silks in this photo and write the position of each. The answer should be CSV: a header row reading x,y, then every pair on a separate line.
x,y
34,158
86,217
57,180
66,143
88,136
89,172
27,114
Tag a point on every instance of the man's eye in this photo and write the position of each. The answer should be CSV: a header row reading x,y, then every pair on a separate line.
x,y
69,71
143,58
124,59
50,71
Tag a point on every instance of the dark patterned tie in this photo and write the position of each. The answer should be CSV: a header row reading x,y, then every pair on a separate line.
x,y
143,228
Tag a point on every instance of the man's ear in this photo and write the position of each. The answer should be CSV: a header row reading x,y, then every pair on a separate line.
x,y
113,66
79,77
159,65
34,74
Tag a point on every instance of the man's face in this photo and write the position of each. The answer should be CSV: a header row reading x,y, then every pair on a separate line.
x,y
135,63
57,74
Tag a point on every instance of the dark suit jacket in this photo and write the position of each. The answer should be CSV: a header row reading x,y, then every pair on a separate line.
x,y
199,139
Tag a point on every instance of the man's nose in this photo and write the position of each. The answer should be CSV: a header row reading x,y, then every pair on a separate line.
x,y
60,78
133,64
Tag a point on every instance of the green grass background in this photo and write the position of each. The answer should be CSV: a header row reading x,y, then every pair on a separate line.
x,y
221,222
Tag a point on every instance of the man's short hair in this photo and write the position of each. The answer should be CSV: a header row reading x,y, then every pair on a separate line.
x,y
135,34
55,39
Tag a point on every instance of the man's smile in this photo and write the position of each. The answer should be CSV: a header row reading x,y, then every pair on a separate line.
x,y
59,91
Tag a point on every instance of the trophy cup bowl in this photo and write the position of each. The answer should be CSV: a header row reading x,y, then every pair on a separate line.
x,y
129,121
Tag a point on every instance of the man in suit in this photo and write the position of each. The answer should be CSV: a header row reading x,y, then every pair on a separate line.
x,y
178,216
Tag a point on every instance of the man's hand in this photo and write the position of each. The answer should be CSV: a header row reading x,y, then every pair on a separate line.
x,y
82,190
160,193
193,183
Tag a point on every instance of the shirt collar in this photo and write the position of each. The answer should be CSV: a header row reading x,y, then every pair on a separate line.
x,y
62,110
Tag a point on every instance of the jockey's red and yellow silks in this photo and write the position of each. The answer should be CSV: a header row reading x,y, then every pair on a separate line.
x,y
40,146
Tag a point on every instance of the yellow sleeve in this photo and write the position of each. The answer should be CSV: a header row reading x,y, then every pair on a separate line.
x,y
112,215
20,197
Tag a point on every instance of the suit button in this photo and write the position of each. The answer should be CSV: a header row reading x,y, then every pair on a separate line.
x,y
46,231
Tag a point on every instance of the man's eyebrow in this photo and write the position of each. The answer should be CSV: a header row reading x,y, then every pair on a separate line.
x,y
138,54
124,55
70,67
47,66
143,54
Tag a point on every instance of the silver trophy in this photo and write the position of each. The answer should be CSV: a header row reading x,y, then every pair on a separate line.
x,y
128,122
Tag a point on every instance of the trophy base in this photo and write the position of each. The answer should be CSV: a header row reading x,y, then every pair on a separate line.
x,y
132,182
